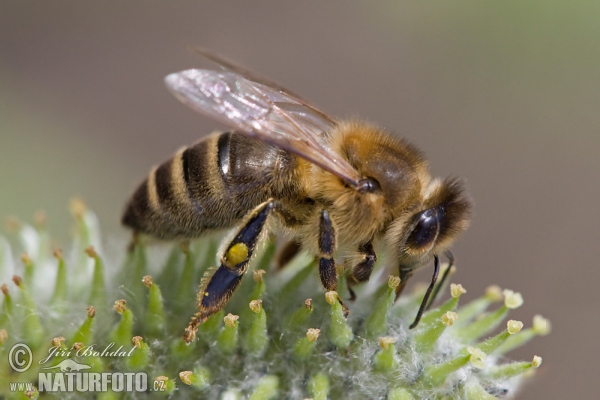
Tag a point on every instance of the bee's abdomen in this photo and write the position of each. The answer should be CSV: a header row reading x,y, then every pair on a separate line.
x,y
209,185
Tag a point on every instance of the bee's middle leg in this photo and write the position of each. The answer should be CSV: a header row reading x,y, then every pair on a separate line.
x,y
217,289
327,246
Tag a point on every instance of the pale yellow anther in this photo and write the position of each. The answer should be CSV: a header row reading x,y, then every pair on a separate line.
x,y
256,306
393,281
331,297
13,223
77,207
308,304
26,259
449,318
456,290
78,346
237,254
541,325
258,275
91,252
57,253
494,293
120,306
185,247
137,341
185,377
512,300
230,319
39,218
452,270
17,280
161,378
514,326
3,335
478,357
91,312
537,361
385,341
57,341
147,281
312,334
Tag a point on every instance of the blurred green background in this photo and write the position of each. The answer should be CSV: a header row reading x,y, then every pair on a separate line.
x,y
503,93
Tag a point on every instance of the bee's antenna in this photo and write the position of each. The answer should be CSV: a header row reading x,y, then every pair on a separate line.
x,y
436,271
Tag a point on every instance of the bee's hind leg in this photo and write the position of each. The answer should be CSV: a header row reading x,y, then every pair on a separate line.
x,y
216,289
327,247
362,271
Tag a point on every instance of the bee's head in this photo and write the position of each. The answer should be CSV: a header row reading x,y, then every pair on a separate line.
x,y
432,226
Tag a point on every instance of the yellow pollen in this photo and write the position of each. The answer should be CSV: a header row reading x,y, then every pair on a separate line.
x,y
238,253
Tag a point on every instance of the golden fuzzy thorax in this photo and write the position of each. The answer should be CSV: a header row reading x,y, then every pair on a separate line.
x,y
398,167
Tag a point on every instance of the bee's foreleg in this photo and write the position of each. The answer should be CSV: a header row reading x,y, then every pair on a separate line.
x,y
361,272
327,246
216,289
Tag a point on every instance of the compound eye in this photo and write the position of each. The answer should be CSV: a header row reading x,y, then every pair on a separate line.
x,y
426,230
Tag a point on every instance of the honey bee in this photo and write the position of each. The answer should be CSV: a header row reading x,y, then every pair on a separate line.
x,y
330,186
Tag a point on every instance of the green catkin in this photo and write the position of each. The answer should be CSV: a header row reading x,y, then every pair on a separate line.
x,y
59,295
140,355
470,311
427,337
228,338
155,313
474,391
377,322
305,346
33,330
508,371
266,358
257,338
122,333
199,377
400,394
187,282
480,327
164,384
318,386
340,333
298,318
385,359
7,306
98,293
84,333
266,388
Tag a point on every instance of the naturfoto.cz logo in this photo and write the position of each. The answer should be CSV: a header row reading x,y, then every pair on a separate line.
x,y
69,375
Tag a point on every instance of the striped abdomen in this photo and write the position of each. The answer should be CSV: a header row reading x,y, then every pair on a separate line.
x,y
209,185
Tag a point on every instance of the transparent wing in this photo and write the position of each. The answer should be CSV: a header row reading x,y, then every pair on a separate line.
x,y
262,112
